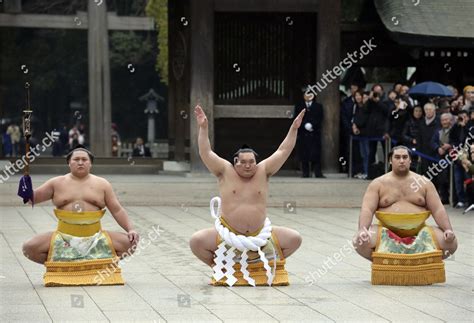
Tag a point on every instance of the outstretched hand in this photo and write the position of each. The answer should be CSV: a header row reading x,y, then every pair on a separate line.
x,y
200,116
299,119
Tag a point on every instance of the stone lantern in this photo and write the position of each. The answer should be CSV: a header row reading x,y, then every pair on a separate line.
x,y
151,98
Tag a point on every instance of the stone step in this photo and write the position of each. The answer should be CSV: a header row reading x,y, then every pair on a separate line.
x,y
287,193
97,161
101,166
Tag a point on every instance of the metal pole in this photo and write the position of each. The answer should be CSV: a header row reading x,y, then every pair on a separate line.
x,y
451,186
388,150
27,129
350,157
107,96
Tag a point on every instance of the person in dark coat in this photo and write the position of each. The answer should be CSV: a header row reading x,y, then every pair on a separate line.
x,y
377,124
457,137
398,117
309,135
428,126
140,149
59,146
468,166
412,127
348,107
7,144
440,143
458,133
359,129
411,131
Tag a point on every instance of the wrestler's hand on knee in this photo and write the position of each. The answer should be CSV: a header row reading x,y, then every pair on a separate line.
x,y
449,235
133,237
362,237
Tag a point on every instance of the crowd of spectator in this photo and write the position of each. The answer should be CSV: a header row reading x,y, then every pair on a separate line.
x,y
13,141
431,127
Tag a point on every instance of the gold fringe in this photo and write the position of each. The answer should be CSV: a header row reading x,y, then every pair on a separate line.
x,y
81,273
408,269
432,257
258,272
82,279
401,278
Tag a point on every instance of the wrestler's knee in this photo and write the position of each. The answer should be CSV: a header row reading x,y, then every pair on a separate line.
x,y
127,252
450,248
121,243
132,247
196,241
296,240
203,240
32,246
28,248
288,238
365,239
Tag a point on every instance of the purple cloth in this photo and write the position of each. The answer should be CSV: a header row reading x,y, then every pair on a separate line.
x,y
25,190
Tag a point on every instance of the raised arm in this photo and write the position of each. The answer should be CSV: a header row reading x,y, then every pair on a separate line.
x,y
273,163
213,162
45,192
433,203
119,213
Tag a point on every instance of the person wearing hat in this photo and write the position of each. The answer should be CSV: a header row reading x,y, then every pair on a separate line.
x,y
309,135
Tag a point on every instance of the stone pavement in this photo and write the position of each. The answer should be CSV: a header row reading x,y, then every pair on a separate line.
x,y
164,282
197,190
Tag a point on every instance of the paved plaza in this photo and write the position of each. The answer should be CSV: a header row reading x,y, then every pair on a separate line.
x,y
164,281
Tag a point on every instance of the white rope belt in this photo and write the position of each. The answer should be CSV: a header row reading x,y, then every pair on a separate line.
x,y
225,257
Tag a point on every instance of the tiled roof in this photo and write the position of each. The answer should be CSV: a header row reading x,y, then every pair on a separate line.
x,y
429,22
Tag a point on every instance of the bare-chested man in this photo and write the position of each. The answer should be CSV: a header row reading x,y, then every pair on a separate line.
x,y
405,192
243,188
80,191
